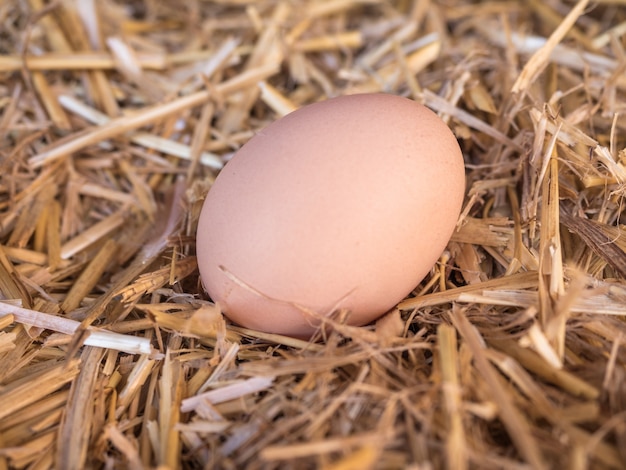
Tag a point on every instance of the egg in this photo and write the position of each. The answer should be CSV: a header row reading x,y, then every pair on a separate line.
x,y
340,206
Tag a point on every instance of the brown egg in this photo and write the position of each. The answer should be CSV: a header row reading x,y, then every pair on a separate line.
x,y
343,204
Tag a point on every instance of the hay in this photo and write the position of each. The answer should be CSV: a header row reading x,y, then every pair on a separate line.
x,y
115,118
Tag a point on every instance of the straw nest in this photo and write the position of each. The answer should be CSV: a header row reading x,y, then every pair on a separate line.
x,y
116,116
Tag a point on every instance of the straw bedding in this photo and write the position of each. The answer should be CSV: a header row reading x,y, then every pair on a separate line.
x,y
116,116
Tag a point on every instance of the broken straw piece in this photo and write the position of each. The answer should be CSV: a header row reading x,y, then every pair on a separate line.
x,y
144,139
97,337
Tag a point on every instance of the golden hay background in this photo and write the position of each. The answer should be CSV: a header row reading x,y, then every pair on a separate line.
x,y
115,116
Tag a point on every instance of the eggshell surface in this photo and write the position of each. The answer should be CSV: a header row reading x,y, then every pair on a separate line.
x,y
343,204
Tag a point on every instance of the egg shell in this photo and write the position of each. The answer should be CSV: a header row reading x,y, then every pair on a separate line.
x,y
343,204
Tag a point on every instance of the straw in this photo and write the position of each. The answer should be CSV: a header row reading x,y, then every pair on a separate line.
x,y
117,117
